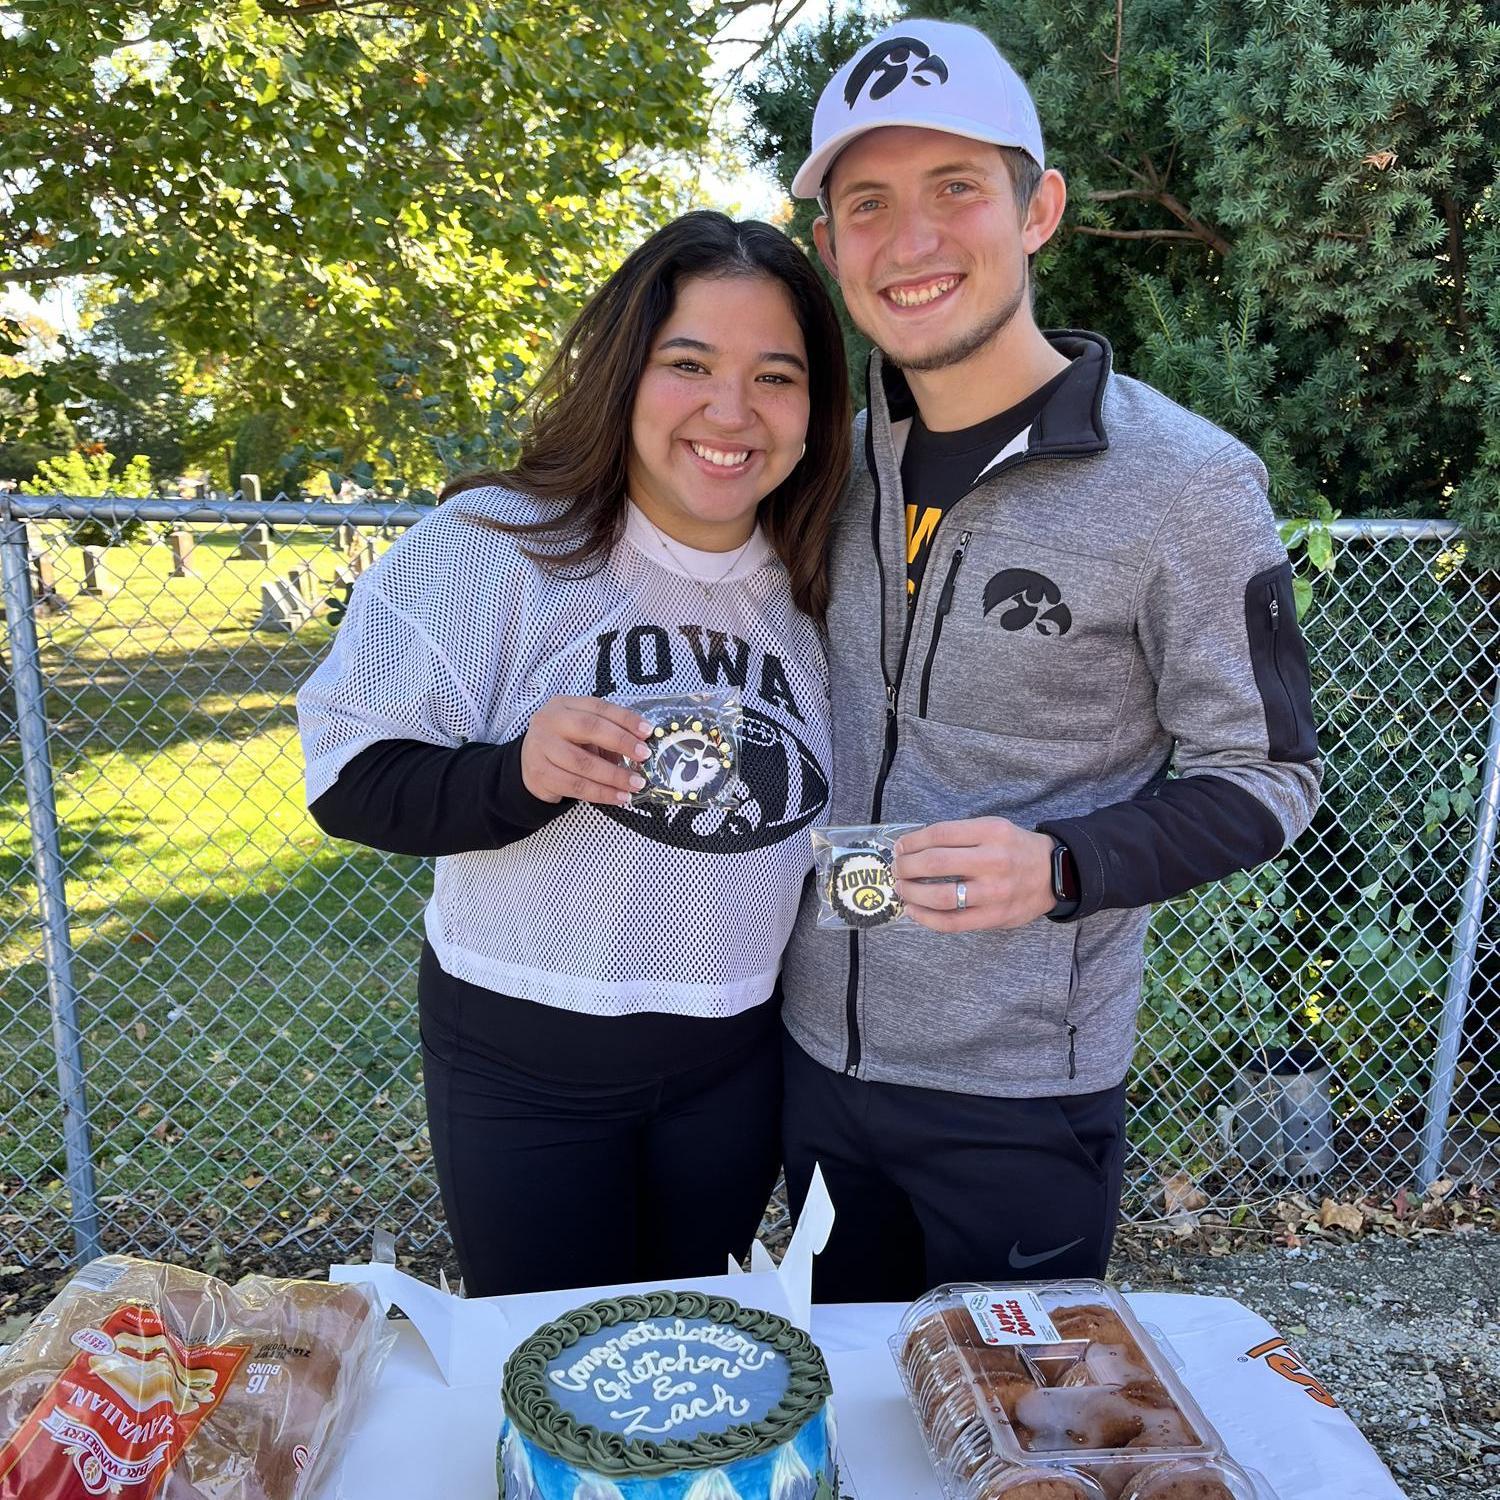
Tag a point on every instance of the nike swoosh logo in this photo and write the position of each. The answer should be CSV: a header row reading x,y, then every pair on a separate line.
x,y
1019,1262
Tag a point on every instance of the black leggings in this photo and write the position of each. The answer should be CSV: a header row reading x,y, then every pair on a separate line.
x,y
570,1155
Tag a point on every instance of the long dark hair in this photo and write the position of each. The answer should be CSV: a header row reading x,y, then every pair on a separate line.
x,y
578,445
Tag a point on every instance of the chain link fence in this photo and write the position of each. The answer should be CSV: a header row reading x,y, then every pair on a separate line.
x,y
208,1034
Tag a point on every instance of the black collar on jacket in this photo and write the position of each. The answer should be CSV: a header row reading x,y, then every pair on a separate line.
x,y
1069,425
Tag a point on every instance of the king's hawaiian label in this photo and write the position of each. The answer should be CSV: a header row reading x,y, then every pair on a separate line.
x,y
118,1416
1011,1317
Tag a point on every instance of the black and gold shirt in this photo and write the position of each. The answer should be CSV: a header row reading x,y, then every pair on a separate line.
x,y
939,468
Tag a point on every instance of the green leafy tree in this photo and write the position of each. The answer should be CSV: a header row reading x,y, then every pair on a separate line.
x,y
143,401
91,471
1283,212
299,184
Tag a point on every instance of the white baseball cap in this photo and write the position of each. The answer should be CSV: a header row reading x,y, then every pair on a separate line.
x,y
932,74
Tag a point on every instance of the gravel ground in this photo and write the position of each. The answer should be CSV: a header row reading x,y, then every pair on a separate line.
x,y
1405,1333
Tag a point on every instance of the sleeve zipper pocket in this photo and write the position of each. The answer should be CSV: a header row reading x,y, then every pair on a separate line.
x,y
944,605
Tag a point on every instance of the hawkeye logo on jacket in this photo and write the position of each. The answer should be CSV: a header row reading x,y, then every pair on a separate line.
x,y
1031,600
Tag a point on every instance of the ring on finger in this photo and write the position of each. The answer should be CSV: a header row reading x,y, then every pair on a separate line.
x,y
961,895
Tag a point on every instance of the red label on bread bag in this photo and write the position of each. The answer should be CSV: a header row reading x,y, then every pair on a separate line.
x,y
116,1419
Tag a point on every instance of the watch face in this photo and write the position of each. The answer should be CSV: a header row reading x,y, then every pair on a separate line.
x,y
1064,873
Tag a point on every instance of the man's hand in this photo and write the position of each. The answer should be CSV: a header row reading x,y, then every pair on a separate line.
x,y
572,749
1006,871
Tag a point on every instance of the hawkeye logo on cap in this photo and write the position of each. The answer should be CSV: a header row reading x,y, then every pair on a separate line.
x,y
889,64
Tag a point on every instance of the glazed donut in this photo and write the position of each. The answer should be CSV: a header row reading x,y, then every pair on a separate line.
x,y
1055,1421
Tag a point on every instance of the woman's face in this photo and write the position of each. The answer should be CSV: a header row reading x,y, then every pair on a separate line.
x,y
720,414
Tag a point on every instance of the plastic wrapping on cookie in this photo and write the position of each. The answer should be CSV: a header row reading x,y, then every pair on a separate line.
x,y
694,746
856,887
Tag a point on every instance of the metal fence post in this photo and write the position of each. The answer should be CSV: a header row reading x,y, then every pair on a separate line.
x,y
46,855
1461,971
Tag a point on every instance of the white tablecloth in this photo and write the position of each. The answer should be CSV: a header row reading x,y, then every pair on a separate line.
x,y
418,1437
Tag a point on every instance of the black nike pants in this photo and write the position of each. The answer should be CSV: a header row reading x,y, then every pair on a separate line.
x,y
929,1186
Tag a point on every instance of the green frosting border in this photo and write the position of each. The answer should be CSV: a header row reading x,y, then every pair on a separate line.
x,y
538,1417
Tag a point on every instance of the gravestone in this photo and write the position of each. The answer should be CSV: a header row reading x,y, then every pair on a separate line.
x,y
44,585
344,537
305,582
282,608
96,579
361,556
255,545
182,554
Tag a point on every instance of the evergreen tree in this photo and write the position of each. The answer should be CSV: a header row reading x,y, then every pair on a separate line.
x,y
1284,213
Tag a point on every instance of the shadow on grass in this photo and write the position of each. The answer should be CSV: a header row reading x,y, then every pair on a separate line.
x,y
251,1064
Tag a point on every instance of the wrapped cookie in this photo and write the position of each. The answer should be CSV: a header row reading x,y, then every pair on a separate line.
x,y
856,887
694,750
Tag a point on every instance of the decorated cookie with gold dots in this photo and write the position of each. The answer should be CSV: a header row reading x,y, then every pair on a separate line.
x,y
692,756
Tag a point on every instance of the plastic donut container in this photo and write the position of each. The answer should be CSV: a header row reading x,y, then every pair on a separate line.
x,y
1055,1391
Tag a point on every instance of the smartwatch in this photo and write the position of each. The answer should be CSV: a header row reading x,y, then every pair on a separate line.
x,y
1065,888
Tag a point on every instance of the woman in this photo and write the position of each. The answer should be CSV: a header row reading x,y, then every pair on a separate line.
x,y
599,1053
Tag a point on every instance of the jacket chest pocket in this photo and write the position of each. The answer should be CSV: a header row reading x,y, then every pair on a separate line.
x,y
1024,641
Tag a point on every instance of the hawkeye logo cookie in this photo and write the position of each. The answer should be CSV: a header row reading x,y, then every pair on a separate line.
x,y
890,64
782,785
860,887
1032,601
692,756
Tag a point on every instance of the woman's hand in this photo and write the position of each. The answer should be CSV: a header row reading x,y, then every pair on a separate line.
x,y
572,749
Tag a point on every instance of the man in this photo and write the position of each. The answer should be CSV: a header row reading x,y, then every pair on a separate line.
x,y
1052,585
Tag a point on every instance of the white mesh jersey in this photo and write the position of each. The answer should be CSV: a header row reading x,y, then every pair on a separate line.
x,y
454,635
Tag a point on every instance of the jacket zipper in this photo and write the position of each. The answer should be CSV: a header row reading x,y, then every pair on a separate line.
x,y
1067,1013
851,994
853,1051
1275,610
944,604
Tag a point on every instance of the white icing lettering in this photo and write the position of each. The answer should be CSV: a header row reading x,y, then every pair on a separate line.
x,y
738,1355
681,1412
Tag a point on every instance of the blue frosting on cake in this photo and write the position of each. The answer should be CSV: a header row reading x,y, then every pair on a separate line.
x,y
668,1378
802,1469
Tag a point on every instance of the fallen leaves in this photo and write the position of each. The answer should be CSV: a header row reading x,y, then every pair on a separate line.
x,y
1195,1221
1346,1216
1183,1200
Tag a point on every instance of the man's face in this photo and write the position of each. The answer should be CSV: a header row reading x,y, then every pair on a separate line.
x,y
926,241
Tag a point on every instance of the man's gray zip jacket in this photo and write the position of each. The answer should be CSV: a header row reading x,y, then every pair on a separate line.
x,y
1110,602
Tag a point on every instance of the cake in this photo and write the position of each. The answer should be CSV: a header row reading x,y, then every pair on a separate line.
x,y
667,1396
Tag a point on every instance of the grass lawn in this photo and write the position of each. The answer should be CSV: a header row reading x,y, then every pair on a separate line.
x,y
245,986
